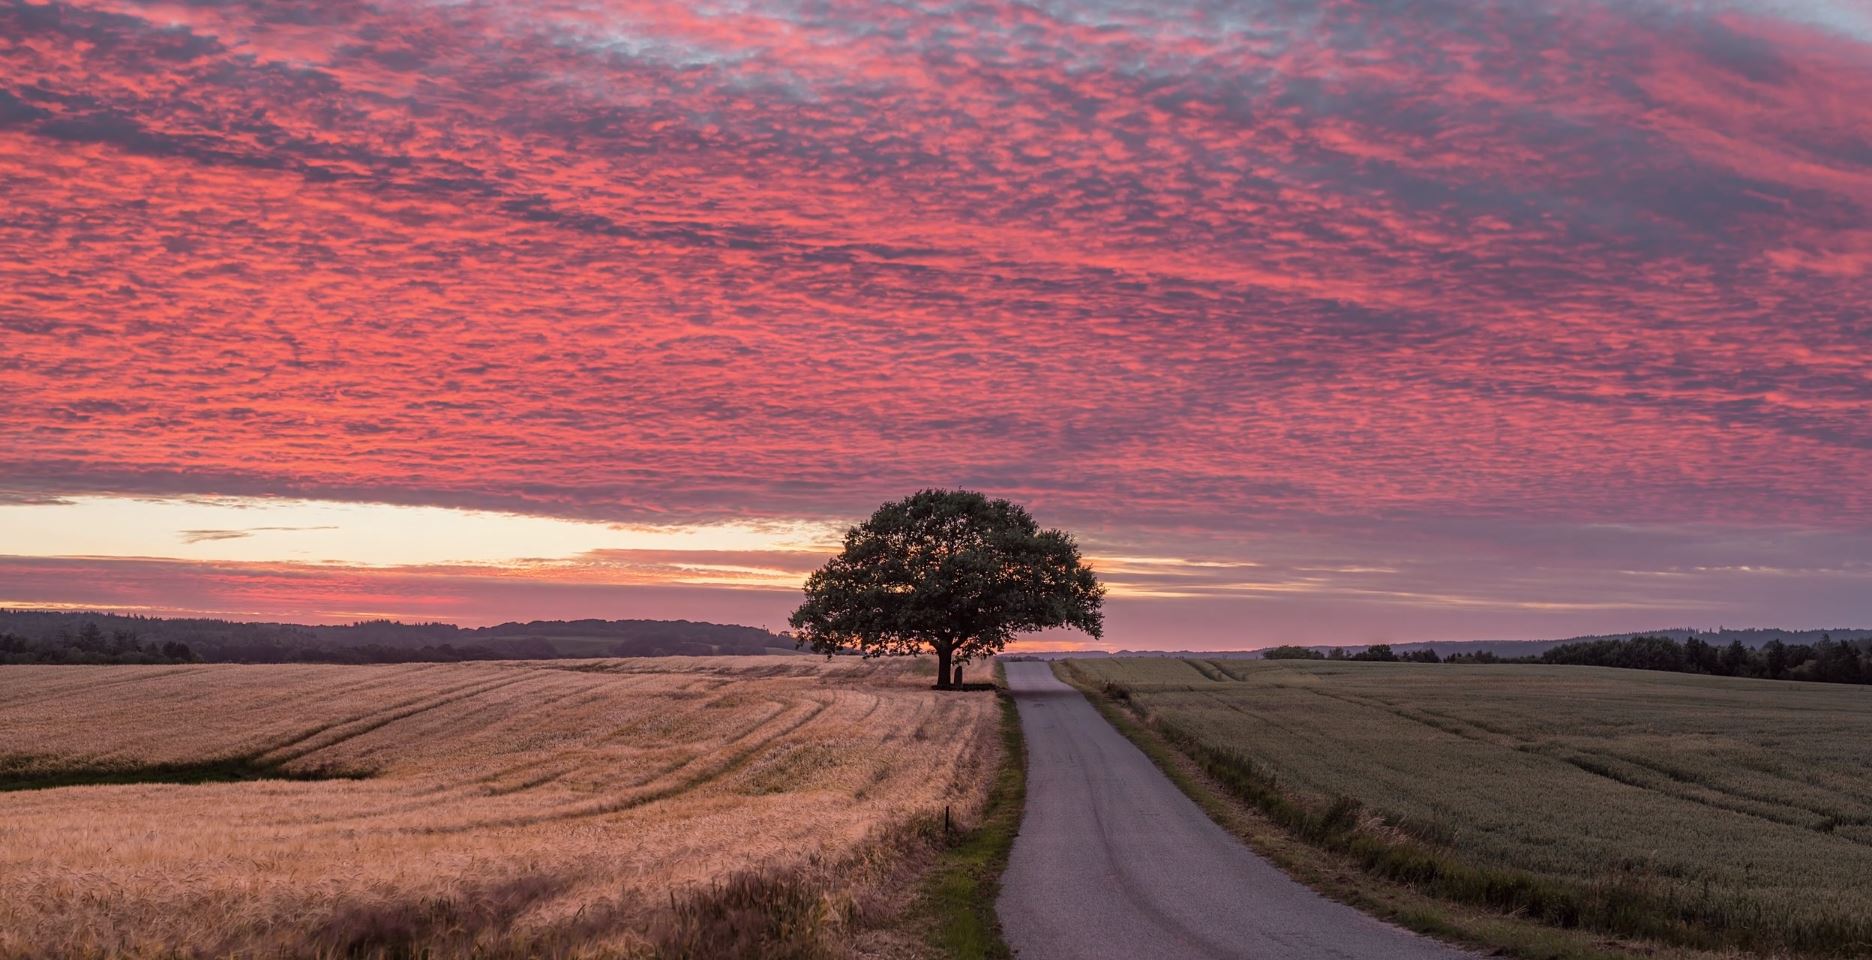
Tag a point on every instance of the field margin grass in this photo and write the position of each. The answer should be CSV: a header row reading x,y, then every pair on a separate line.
x,y
956,903
1343,878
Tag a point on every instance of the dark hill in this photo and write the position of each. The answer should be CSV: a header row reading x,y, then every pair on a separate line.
x,y
32,636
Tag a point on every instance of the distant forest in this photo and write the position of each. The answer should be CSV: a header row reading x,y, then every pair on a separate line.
x,y
1826,660
28,636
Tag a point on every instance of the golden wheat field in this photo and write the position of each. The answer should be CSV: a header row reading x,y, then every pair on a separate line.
x,y
571,808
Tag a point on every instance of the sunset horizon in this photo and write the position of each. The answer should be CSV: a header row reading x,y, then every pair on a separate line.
x,y
746,573
935,479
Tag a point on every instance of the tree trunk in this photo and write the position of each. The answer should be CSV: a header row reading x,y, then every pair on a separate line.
x,y
958,676
943,654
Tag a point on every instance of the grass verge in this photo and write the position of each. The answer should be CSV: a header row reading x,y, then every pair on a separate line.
x,y
957,902
1250,809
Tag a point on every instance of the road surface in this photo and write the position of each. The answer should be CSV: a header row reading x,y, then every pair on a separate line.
x,y
1114,861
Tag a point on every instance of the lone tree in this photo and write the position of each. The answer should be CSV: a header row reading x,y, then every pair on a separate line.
x,y
950,571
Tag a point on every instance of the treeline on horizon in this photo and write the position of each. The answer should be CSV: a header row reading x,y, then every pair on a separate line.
x,y
58,637
1824,661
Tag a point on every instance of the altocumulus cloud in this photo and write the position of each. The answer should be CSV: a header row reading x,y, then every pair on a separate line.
x,y
1196,278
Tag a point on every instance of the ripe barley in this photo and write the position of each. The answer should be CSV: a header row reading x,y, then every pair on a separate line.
x,y
524,807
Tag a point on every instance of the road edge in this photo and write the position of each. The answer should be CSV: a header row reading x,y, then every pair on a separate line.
x,y
1343,880
956,904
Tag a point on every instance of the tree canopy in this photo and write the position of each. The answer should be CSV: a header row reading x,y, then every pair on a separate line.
x,y
949,571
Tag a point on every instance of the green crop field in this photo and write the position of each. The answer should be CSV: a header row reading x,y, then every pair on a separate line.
x,y
1692,810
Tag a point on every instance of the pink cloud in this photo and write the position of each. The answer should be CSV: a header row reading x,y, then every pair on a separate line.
x,y
1600,264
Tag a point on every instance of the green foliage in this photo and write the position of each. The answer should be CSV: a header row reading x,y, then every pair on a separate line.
x,y
89,645
950,571
1291,652
1381,652
1827,661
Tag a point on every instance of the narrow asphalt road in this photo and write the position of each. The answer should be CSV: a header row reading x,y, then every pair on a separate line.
x,y
1114,861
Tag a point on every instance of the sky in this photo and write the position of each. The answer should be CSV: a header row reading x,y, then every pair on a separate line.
x,y
1322,321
